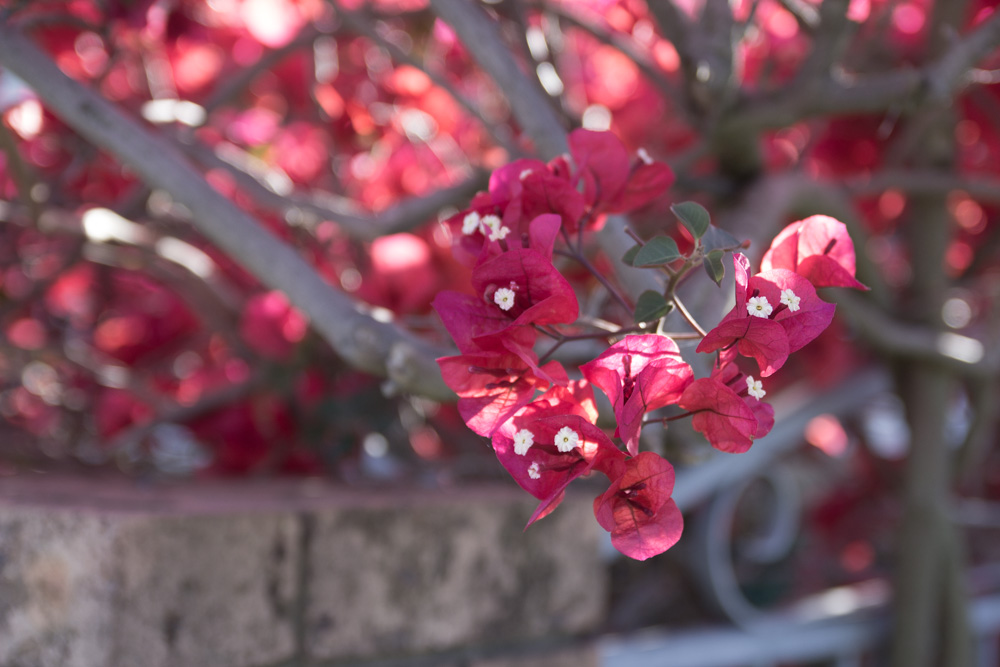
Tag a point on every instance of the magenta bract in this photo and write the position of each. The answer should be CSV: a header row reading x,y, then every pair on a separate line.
x,y
637,509
817,248
639,374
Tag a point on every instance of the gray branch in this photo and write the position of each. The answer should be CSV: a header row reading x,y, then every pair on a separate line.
x,y
481,37
369,345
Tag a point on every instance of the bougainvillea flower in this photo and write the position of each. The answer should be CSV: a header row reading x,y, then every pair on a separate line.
x,y
534,292
646,182
601,163
492,387
472,321
751,391
544,449
720,414
818,249
575,396
541,237
776,313
637,509
611,183
799,310
639,374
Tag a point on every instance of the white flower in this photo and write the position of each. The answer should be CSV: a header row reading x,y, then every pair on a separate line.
x,y
789,299
567,439
533,471
470,223
497,230
497,234
759,307
644,156
524,174
755,388
523,440
504,298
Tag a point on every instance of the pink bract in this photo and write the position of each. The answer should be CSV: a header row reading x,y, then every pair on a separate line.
x,y
492,387
555,469
818,248
720,414
639,374
637,509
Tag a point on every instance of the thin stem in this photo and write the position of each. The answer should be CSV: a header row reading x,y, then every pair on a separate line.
x,y
688,317
575,253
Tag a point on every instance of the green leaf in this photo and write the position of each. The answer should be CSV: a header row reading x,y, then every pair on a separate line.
x,y
693,216
629,256
714,267
658,250
719,239
650,307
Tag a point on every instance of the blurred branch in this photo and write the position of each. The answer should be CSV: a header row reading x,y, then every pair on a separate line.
x,y
831,33
270,189
961,355
495,127
235,83
902,88
179,414
480,35
23,176
807,16
980,188
365,343
624,46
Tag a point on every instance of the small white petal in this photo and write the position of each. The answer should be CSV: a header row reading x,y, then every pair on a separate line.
x,y
524,174
759,307
504,298
499,233
533,471
567,439
470,223
789,298
644,156
491,221
523,440
755,388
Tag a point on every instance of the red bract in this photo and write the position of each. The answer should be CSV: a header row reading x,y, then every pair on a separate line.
x,y
720,414
527,447
525,189
611,183
812,315
639,374
731,376
540,236
492,387
601,162
524,288
637,509
647,181
478,327
776,313
817,248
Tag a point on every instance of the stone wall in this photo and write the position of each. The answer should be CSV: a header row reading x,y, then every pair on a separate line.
x,y
105,573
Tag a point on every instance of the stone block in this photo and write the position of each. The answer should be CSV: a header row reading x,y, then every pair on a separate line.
x,y
110,574
78,590
447,571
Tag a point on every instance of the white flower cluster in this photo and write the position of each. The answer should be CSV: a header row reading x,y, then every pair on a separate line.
x,y
487,224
